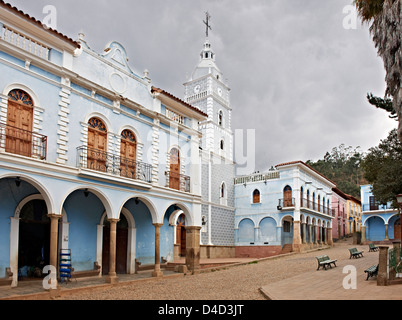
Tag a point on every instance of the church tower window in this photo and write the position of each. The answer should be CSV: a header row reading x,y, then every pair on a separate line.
x,y
220,118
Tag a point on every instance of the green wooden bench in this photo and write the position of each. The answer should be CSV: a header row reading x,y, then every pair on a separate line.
x,y
372,271
354,253
325,261
373,247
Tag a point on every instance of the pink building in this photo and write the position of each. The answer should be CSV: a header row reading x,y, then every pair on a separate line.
x,y
339,200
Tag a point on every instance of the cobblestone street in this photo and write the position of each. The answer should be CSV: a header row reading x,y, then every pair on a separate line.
x,y
289,277
244,282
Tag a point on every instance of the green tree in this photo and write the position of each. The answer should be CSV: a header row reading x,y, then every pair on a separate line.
x,y
343,166
385,17
383,169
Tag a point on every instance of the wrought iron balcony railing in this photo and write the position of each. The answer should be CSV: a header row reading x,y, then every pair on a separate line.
x,y
109,163
376,207
308,204
287,203
177,181
22,142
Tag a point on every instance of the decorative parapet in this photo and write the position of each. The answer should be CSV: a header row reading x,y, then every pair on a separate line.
x,y
175,116
24,42
259,177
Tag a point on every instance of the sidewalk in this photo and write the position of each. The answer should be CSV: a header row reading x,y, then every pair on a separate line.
x,y
33,290
328,285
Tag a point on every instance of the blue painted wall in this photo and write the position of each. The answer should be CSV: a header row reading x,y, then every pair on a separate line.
x,y
84,214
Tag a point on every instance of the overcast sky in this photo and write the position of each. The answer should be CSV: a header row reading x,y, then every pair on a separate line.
x,y
299,78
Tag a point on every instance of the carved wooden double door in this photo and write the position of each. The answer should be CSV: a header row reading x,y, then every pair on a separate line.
x,y
19,123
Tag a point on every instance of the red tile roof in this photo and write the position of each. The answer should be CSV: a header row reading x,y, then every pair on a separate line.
x,y
39,23
154,89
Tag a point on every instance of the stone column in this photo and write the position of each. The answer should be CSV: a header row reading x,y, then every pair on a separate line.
x,y
382,278
54,235
296,236
386,233
157,271
304,226
193,252
363,235
112,276
330,239
256,237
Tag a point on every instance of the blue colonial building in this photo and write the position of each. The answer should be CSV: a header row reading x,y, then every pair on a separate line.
x,y
380,223
287,208
93,158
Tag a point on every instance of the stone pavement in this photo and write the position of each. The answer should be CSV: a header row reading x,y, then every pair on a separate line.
x,y
312,285
328,285
33,290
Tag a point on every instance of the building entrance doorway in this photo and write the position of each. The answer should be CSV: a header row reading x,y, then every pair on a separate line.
x,y
34,240
181,235
121,246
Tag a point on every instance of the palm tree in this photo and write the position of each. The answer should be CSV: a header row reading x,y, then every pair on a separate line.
x,y
385,17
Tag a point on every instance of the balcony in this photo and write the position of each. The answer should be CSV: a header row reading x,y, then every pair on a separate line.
x,y
177,181
286,203
112,164
22,142
376,207
308,204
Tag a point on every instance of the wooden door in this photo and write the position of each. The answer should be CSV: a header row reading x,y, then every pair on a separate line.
x,y
97,145
19,123
181,235
174,176
121,250
287,197
256,196
106,250
128,155
301,197
373,204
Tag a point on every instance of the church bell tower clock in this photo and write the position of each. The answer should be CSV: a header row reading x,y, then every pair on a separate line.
x,y
207,91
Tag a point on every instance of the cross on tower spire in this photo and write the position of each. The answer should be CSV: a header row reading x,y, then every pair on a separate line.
x,y
208,17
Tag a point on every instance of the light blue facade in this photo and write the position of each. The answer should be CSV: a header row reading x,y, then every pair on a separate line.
x,y
69,85
379,222
289,204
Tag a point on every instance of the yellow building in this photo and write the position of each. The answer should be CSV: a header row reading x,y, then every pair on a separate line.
x,y
353,215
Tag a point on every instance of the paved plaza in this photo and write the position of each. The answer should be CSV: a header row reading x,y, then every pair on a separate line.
x,y
290,277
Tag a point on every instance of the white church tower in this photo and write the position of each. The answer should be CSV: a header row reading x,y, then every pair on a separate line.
x,y
207,90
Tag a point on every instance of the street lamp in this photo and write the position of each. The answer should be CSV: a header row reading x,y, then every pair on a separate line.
x,y
399,199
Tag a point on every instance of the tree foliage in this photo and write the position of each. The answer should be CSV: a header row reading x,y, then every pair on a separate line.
x,y
382,168
343,166
369,9
385,17
385,104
